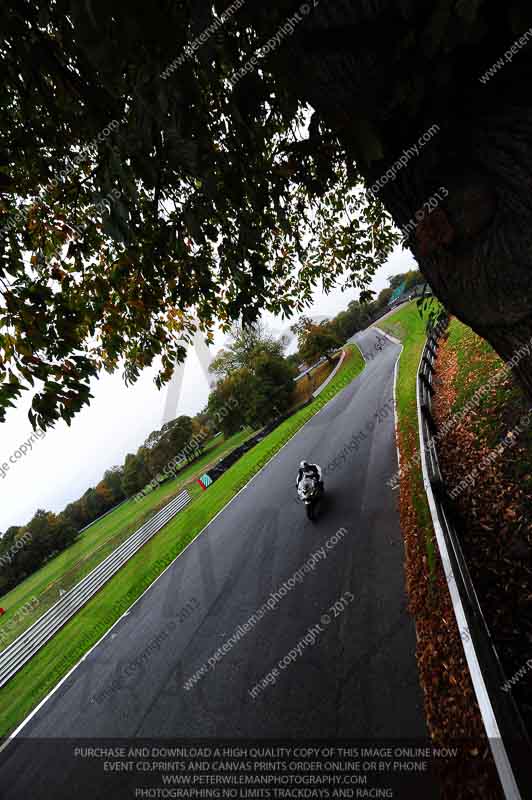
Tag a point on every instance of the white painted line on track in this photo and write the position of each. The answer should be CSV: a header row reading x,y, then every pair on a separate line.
x,y
128,610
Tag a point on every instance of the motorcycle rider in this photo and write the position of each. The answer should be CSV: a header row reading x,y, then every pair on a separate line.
x,y
311,471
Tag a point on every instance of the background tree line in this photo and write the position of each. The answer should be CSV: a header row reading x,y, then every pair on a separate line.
x,y
317,340
51,533
252,368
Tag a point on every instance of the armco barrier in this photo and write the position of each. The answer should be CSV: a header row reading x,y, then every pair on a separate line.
x,y
505,729
19,652
330,377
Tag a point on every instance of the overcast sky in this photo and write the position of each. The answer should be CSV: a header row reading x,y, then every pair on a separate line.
x,y
68,460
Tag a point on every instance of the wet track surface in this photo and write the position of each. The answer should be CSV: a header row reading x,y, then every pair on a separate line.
x,y
357,679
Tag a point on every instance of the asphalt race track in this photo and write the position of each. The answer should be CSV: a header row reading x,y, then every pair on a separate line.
x,y
358,677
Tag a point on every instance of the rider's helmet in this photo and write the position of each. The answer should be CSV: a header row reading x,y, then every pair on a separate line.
x,y
304,464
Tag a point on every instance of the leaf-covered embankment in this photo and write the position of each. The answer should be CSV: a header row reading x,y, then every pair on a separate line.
x,y
486,460
451,709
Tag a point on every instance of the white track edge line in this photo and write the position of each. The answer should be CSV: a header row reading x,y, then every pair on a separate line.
x,y
128,610
395,379
395,412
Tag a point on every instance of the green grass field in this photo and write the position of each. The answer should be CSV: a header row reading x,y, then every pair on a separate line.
x,y
48,666
97,542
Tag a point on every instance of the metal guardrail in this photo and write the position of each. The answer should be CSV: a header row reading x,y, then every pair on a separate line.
x,y
329,378
508,737
309,369
19,652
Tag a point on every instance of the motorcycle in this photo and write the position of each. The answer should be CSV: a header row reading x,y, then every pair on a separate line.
x,y
309,491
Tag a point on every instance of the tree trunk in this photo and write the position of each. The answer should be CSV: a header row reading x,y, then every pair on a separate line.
x,y
475,248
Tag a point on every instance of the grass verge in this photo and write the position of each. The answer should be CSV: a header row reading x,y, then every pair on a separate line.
x,y
40,590
29,686
409,327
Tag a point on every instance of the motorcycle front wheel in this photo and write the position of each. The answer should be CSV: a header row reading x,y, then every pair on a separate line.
x,y
310,510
